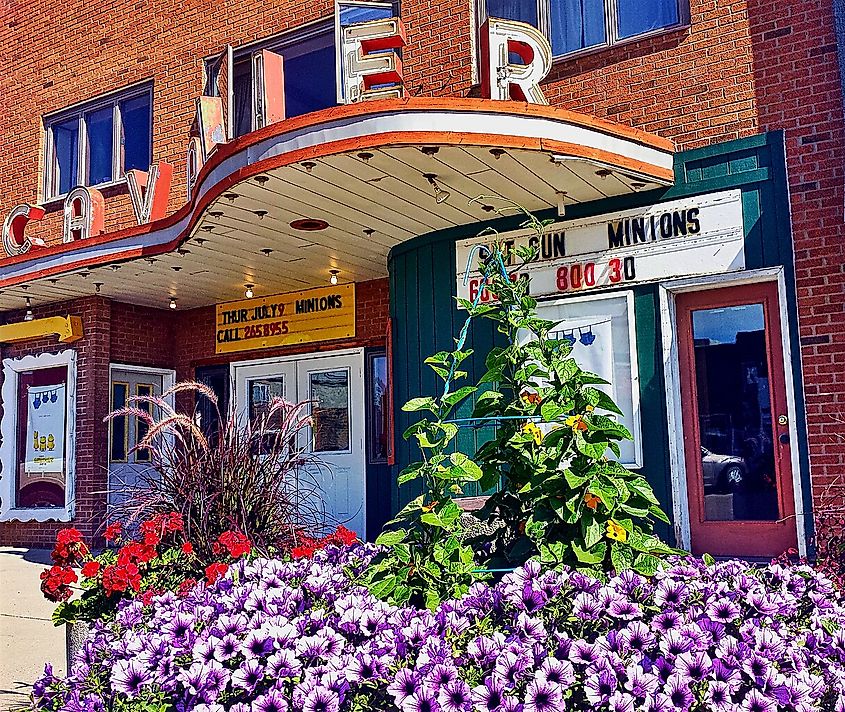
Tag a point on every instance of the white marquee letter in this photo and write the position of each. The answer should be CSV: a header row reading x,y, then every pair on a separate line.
x,y
367,65
84,211
503,80
15,241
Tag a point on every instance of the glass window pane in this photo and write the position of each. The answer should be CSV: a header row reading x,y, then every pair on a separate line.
x,y
141,428
734,413
635,16
329,393
66,152
350,15
135,132
310,81
99,126
42,429
576,24
261,392
119,434
522,10
378,409
242,96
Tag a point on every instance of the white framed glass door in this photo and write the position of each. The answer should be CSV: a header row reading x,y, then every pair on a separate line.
x,y
333,385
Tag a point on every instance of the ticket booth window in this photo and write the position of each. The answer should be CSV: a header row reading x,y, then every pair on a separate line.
x,y
37,452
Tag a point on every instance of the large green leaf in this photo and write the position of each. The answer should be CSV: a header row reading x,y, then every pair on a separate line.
x,y
594,556
459,395
621,557
391,538
424,403
463,468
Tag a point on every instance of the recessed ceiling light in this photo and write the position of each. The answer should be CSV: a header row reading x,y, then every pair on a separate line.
x,y
231,196
365,155
334,273
176,268
266,251
308,165
172,302
430,150
248,293
497,153
260,213
368,231
309,224
216,214
261,180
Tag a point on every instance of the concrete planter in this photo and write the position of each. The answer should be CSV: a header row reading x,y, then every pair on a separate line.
x,y
75,637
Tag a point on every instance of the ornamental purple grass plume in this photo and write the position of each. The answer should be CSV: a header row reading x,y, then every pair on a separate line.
x,y
304,636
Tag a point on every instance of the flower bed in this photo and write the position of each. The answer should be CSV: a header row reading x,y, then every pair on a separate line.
x,y
271,636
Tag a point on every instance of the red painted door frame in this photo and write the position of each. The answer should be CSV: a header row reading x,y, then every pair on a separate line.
x,y
736,538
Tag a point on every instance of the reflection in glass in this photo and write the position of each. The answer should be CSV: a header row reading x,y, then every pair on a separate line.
x,y
65,147
135,132
378,409
636,17
99,125
261,392
576,25
142,454
119,434
734,413
329,394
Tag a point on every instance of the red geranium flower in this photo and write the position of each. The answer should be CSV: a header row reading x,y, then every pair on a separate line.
x,y
91,569
215,571
55,583
187,548
346,536
236,544
113,531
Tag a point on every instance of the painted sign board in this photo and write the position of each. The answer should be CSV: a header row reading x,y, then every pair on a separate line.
x,y
680,238
308,316
45,429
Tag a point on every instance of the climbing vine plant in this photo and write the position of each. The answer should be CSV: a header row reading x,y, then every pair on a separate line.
x,y
565,496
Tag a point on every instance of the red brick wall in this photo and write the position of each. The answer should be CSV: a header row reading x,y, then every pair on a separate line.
x,y
141,336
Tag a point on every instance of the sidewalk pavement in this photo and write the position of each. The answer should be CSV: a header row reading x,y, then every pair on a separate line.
x,y
28,638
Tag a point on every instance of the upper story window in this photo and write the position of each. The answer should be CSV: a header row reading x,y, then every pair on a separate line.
x,y
95,143
575,25
312,66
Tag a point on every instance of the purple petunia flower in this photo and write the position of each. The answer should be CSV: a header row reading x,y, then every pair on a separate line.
x,y
677,694
129,676
543,696
719,697
404,685
599,687
273,701
489,697
454,696
755,701
321,699
248,675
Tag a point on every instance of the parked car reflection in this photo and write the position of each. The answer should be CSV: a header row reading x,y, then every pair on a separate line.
x,y
722,473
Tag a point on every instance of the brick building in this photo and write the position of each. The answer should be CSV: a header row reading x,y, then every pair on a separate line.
x,y
275,198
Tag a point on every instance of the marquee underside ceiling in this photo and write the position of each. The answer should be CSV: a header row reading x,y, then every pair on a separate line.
x,y
373,196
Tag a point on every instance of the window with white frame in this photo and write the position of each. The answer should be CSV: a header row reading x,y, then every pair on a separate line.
x,y
95,143
38,428
576,25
